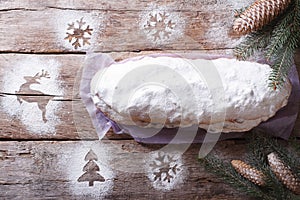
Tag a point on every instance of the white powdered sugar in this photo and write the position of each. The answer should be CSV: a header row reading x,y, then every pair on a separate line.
x,y
86,26
34,76
239,4
220,26
76,167
166,171
161,25
181,92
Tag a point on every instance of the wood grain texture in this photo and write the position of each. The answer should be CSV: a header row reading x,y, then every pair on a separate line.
x,y
11,126
45,30
184,5
50,170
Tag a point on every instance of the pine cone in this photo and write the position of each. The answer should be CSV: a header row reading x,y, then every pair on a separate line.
x,y
248,172
260,13
284,173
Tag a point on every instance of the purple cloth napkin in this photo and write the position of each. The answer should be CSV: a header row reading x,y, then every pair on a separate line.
x,y
281,125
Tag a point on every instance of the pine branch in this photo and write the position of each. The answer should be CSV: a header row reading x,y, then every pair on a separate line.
x,y
278,40
282,65
253,42
281,33
226,172
295,144
282,47
259,147
290,157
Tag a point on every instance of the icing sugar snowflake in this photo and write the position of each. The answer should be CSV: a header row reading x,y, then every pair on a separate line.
x,y
165,170
161,26
78,33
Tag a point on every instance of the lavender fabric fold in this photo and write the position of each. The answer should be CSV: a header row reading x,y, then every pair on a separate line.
x,y
281,125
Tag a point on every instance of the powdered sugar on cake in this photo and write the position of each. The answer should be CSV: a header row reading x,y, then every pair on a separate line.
x,y
173,92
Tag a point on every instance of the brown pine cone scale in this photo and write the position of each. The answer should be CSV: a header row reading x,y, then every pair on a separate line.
x,y
259,14
284,173
248,172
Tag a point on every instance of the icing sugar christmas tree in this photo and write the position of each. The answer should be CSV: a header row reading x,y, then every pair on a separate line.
x,y
91,170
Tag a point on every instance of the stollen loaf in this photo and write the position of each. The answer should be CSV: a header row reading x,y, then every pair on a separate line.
x,y
177,92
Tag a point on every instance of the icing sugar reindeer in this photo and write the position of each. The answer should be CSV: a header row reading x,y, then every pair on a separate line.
x,y
29,95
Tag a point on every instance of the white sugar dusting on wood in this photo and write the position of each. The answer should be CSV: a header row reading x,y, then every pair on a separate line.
x,y
238,4
72,25
166,171
38,78
78,165
161,25
220,25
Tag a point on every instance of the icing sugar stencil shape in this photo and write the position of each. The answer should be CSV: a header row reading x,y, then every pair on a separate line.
x,y
25,88
165,170
160,25
78,30
37,89
78,33
89,172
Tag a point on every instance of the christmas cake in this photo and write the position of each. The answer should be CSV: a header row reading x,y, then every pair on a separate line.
x,y
176,92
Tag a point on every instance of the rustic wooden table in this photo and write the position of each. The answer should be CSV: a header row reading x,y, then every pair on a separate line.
x,y
48,147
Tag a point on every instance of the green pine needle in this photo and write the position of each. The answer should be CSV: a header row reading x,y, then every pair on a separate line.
x,y
278,40
259,147
253,42
228,174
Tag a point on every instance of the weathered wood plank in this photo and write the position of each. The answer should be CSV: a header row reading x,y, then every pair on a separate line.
x,y
184,5
68,121
63,72
32,113
22,124
50,170
46,30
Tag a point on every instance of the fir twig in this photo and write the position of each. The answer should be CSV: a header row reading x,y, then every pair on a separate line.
x,y
281,31
278,41
259,147
294,143
227,173
281,67
253,42
283,45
